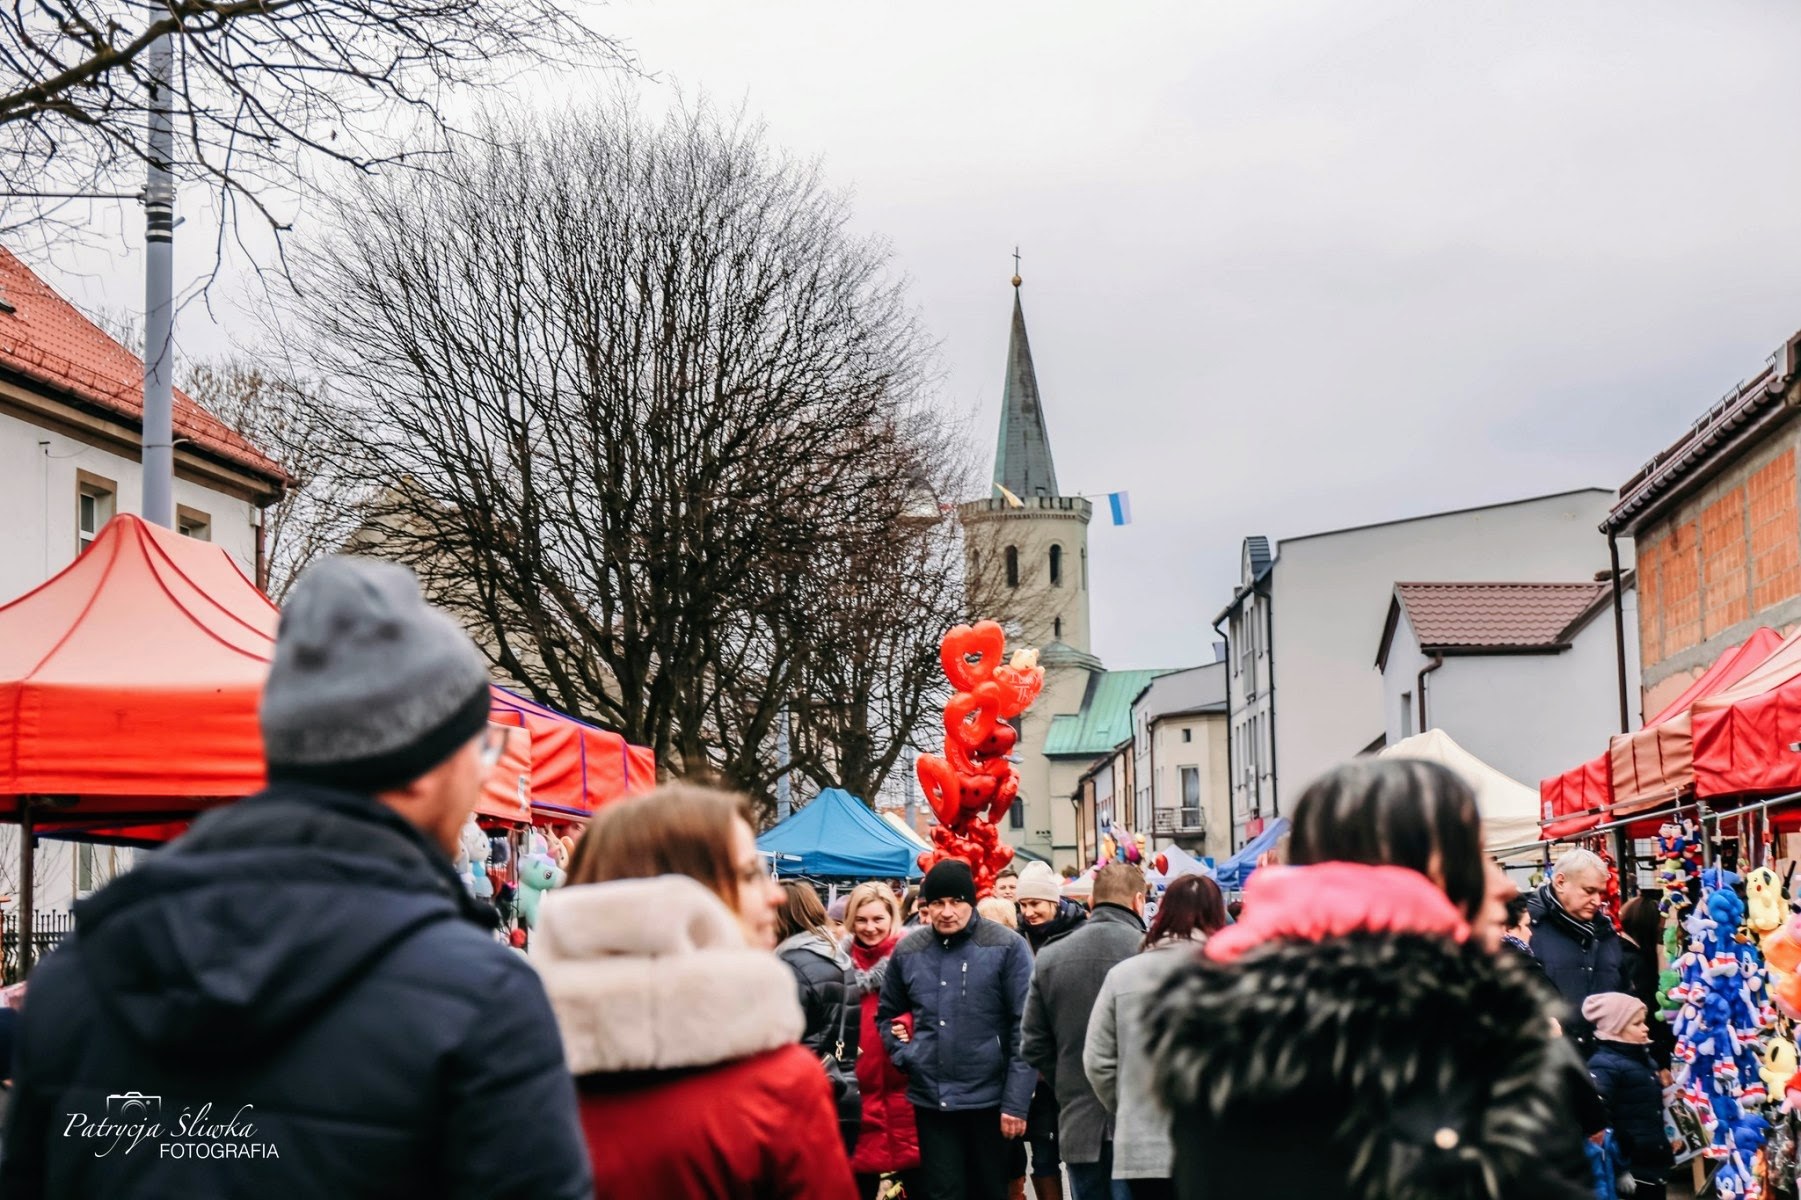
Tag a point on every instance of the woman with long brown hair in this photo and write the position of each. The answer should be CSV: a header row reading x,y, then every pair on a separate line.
x,y
679,1023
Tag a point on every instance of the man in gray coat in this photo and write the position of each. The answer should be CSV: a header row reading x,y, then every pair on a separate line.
x,y
1065,985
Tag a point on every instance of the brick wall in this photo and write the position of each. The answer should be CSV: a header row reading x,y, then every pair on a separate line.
x,y
1722,563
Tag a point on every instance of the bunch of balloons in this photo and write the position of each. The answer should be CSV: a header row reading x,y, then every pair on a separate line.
x,y
971,787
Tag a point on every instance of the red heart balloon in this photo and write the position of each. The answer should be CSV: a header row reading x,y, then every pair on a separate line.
x,y
984,643
970,717
1004,795
1161,862
977,791
1000,743
939,783
1019,686
999,857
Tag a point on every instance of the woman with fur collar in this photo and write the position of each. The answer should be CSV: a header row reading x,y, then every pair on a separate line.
x,y
888,1142
1349,1038
679,1023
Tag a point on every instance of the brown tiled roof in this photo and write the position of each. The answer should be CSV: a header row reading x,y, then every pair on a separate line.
x,y
46,340
1496,616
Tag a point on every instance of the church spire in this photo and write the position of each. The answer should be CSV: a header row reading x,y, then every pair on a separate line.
x,y
1022,458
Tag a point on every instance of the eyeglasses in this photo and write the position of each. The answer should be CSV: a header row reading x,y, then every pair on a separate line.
x,y
494,744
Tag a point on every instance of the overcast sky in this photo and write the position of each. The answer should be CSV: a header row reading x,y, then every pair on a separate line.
x,y
1291,266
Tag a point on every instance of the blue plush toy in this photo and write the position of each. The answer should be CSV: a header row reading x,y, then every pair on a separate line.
x,y
538,873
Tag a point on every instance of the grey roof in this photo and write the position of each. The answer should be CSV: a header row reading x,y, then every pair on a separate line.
x,y
1197,689
1022,457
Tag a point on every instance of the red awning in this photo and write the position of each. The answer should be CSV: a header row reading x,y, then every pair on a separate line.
x,y
130,680
130,683
575,767
1582,797
1656,764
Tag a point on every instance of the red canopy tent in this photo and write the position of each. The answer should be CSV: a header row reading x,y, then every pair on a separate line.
x,y
1580,798
129,689
1656,764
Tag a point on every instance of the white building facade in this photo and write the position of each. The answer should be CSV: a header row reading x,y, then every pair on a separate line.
x,y
1523,676
1179,732
1303,691
70,460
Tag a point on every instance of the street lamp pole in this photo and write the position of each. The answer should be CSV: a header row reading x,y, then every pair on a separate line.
x,y
159,293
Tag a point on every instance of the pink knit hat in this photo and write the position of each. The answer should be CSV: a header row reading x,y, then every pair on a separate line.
x,y
1610,1013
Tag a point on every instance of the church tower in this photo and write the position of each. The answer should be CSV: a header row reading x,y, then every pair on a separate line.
x,y
1026,562
1026,546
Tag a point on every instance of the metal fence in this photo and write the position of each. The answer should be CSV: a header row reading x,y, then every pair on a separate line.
x,y
47,932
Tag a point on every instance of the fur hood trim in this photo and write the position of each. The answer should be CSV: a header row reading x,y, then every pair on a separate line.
x,y
1437,1061
653,974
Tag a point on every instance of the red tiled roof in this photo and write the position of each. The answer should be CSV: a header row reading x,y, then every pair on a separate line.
x,y
1496,616
48,341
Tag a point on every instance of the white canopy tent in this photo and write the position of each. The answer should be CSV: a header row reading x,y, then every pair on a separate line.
x,y
1510,809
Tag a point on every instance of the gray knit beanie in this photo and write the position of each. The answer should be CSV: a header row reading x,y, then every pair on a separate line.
x,y
371,686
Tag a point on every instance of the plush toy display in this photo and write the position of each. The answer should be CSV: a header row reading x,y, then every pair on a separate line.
x,y
538,873
474,862
974,783
1719,1060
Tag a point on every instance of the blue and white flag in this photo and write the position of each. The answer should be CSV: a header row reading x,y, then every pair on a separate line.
x,y
1121,504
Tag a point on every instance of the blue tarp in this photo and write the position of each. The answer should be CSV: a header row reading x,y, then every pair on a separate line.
x,y
1232,873
838,837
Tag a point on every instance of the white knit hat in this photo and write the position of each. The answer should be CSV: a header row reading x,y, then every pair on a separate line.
x,y
1037,882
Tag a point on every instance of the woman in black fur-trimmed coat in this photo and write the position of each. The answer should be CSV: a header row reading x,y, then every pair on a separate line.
x,y
1349,1039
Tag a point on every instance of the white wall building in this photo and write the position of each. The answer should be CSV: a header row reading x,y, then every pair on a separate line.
x,y
1522,675
1303,692
70,437
1179,747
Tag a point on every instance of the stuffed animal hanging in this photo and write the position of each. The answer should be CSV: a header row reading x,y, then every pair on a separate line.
x,y
538,873
475,862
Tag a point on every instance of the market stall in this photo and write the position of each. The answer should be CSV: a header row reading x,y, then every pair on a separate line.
x,y
1508,807
129,691
837,836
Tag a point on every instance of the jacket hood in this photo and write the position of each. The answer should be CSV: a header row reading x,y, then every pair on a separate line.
x,y
653,974
232,937
1331,900
1431,1067
819,944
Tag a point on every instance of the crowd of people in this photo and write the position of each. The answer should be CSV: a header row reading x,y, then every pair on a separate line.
x,y
1383,1019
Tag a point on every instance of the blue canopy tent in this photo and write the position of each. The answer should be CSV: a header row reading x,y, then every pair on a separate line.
x,y
838,837
1231,874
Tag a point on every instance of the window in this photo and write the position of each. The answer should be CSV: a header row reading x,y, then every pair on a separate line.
x,y
1187,734
93,507
1056,566
191,522
1016,815
84,869
1406,714
1084,568
1012,566
1191,787
1057,628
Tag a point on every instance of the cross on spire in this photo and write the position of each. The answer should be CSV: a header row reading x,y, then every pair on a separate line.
x,y
1016,279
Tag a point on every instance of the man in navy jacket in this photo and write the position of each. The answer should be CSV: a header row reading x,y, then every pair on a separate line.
x,y
300,998
1573,938
964,982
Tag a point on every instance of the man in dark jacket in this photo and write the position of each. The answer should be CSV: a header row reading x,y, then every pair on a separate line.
x,y
964,980
1573,939
300,998
1066,981
1046,917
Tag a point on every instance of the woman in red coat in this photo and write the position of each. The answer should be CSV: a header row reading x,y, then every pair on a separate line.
x,y
889,1141
679,1023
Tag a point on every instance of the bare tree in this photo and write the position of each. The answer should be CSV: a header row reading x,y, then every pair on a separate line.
x,y
313,438
642,401
260,89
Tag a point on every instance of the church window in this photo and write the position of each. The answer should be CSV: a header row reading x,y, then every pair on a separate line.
x,y
1056,566
1012,566
1084,568
1057,628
